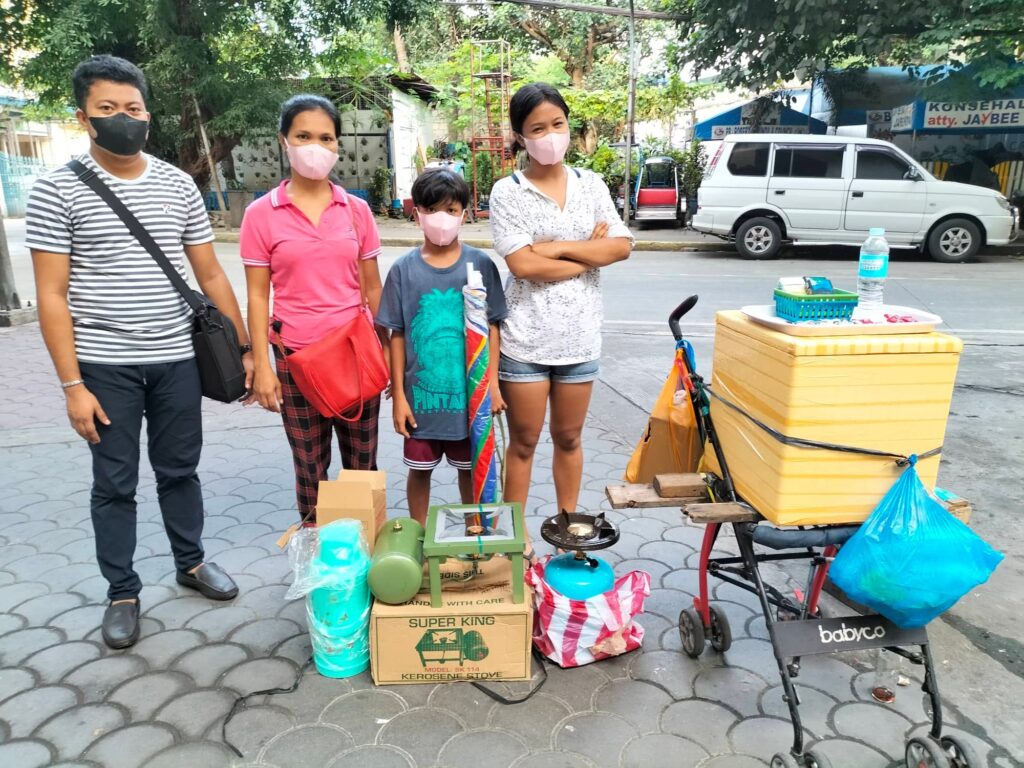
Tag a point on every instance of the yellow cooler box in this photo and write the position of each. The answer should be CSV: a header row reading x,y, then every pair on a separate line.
x,y
882,392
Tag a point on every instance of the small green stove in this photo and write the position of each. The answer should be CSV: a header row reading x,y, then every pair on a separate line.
x,y
474,532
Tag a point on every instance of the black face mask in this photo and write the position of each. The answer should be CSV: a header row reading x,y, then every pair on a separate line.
x,y
120,134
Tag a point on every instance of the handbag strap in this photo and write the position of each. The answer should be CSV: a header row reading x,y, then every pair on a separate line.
x,y
365,301
91,179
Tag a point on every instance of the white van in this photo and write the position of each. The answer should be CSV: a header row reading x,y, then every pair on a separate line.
x,y
762,191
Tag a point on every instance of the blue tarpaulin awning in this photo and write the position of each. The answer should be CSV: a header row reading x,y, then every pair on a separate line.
x,y
737,120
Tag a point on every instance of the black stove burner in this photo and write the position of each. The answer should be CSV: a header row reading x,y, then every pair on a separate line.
x,y
579,532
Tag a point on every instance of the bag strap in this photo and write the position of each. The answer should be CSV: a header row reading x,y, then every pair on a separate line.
x,y
359,256
92,180
364,299
359,386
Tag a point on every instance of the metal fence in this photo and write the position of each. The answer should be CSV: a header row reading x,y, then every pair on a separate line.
x,y
16,177
1010,174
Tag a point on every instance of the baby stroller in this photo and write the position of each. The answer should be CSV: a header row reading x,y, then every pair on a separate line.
x,y
795,625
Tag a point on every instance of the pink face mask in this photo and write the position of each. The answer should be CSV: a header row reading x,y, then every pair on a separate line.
x,y
441,228
549,148
313,161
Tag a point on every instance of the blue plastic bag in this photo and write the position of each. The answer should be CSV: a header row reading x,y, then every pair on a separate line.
x,y
911,559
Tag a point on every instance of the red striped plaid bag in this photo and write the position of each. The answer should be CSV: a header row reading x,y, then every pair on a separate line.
x,y
576,632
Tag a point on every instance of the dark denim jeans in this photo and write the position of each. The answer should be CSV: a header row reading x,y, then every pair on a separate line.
x,y
169,396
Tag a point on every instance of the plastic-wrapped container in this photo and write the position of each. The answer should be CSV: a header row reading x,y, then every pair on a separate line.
x,y
331,565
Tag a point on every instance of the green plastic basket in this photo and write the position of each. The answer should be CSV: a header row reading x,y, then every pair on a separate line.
x,y
799,307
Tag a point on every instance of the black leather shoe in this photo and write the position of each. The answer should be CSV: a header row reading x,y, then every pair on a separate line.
x,y
210,581
121,624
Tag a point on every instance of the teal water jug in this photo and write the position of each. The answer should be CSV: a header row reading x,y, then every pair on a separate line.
x,y
338,611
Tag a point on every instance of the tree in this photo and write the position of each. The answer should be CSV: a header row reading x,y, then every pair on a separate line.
x,y
759,43
583,54
578,40
225,63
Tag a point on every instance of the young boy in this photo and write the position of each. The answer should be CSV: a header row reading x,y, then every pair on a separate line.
x,y
422,307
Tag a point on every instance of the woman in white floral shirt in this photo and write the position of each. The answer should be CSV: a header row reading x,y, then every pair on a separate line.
x,y
556,227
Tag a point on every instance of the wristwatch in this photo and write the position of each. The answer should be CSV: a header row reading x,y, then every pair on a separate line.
x,y
245,349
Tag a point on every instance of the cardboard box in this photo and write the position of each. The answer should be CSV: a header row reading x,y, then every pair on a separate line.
x,y
478,633
358,495
958,507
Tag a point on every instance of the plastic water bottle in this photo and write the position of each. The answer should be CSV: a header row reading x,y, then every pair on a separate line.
x,y
872,271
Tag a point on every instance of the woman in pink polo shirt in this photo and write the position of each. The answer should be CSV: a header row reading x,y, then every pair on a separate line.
x,y
307,239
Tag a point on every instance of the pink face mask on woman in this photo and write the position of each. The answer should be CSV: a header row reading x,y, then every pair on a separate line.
x,y
549,148
313,161
441,228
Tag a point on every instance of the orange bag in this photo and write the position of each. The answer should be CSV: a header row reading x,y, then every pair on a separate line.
x,y
671,441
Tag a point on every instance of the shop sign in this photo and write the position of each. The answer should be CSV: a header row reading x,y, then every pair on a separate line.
x,y
903,118
879,119
721,131
998,114
879,124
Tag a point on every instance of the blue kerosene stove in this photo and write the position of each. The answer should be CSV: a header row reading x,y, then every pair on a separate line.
x,y
575,574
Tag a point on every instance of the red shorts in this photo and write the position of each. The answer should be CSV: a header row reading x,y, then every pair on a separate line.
x,y
426,454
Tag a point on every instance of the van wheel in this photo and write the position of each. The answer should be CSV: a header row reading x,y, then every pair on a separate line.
x,y
954,241
758,238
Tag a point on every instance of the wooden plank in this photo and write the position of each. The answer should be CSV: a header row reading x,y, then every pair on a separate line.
x,y
722,512
633,495
680,484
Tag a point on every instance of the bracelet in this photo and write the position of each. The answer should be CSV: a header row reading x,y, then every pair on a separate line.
x,y
245,349
70,384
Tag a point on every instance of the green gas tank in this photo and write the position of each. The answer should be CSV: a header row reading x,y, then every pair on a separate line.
x,y
396,572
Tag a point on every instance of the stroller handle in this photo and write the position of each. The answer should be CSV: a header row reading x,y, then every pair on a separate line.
x,y
677,313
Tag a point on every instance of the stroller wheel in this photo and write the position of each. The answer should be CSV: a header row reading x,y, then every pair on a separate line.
x,y
691,632
815,759
923,752
721,635
784,760
960,754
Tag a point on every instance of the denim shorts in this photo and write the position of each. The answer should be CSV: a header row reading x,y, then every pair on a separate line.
x,y
521,373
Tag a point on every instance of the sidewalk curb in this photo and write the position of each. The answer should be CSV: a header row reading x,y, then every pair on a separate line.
x,y
1014,249
412,242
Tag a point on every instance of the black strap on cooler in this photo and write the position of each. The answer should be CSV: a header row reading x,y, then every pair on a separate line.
x,y
800,442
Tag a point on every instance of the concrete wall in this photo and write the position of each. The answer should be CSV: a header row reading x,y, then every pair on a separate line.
x,y
362,148
413,124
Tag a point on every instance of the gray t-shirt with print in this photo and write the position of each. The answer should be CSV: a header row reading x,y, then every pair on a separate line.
x,y
425,304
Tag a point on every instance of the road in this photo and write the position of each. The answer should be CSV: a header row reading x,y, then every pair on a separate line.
x,y
979,302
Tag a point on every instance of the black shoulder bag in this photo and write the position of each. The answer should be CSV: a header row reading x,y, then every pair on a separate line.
x,y
213,336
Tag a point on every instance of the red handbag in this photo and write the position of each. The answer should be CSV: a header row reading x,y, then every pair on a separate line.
x,y
345,368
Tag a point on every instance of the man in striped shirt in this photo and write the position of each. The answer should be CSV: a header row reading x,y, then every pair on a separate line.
x,y
120,334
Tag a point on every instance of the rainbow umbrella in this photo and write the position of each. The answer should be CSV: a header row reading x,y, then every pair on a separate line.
x,y
478,390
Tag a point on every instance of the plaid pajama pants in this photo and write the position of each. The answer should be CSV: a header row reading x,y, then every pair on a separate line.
x,y
309,435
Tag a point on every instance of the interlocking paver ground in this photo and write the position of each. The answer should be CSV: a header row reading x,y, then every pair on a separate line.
x,y
64,696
